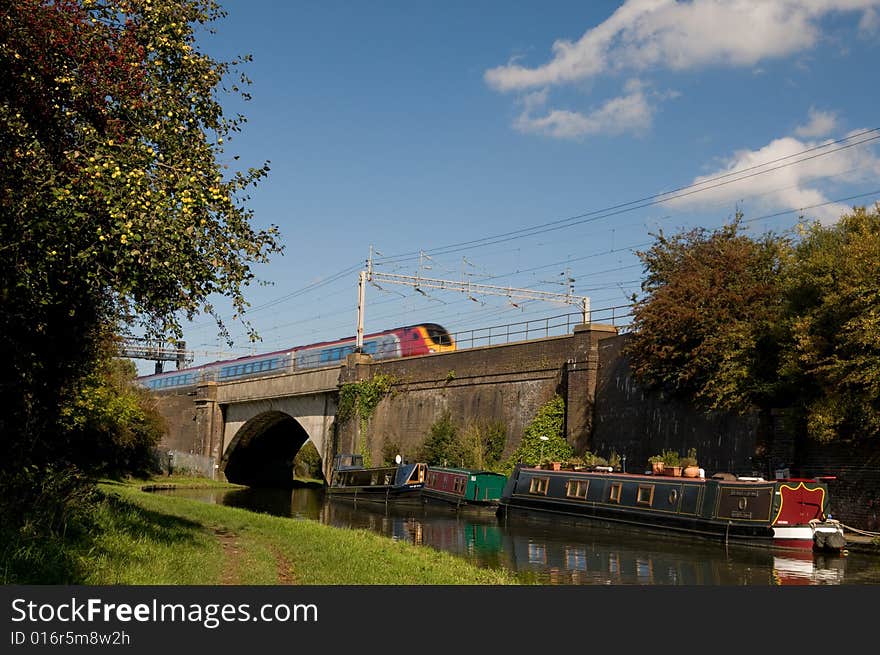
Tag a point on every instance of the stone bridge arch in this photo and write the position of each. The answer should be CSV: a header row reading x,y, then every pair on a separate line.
x,y
261,438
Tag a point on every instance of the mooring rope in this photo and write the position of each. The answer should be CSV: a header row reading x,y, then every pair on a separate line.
x,y
864,532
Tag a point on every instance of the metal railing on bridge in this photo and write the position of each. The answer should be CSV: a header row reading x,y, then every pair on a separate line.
x,y
257,365
554,326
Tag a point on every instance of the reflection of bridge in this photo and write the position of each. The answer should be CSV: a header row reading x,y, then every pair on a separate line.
x,y
253,428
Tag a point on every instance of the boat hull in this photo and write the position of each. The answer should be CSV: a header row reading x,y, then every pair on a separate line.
x,y
459,488
381,484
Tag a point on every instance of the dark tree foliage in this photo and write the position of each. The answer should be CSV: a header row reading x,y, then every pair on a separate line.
x,y
442,447
708,324
833,305
114,206
740,323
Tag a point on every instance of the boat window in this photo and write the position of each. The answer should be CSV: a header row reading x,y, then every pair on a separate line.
x,y
577,488
539,486
614,492
645,495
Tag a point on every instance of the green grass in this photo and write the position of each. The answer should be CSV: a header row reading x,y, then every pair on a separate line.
x,y
154,539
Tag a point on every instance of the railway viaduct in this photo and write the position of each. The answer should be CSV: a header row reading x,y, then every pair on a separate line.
x,y
248,431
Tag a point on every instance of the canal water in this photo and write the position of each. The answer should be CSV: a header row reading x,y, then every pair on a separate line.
x,y
557,551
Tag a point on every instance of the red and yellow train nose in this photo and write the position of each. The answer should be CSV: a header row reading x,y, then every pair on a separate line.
x,y
437,342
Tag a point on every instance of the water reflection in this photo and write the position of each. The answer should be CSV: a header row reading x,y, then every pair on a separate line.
x,y
556,551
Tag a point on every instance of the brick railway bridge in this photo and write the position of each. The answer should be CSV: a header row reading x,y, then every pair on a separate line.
x,y
251,429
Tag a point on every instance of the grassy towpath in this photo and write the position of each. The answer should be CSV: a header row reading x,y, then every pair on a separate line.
x,y
147,539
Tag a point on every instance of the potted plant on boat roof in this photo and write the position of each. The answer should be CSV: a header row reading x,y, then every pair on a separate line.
x,y
577,463
671,463
690,468
656,462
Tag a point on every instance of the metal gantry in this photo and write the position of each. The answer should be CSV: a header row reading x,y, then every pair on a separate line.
x,y
419,283
158,351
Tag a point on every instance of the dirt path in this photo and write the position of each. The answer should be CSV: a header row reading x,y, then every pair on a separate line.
x,y
285,569
232,556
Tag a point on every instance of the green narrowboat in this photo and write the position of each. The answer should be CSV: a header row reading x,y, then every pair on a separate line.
x,y
463,487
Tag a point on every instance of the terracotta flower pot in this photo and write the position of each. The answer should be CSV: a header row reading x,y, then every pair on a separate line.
x,y
657,468
691,471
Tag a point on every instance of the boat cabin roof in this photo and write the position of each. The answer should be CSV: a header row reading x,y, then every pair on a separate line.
x,y
466,471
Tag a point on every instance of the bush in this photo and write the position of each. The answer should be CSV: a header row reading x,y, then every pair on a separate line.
x,y
307,463
548,422
443,447
483,444
41,510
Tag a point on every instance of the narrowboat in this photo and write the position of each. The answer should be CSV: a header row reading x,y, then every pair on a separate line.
x,y
350,479
785,513
463,487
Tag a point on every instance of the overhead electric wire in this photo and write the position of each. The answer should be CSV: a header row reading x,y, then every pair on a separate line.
x,y
646,201
608,212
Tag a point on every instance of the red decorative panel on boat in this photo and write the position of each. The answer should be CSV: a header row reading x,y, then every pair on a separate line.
x,y
799,504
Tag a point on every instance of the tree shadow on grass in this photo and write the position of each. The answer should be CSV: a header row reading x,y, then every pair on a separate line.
x,y
108,533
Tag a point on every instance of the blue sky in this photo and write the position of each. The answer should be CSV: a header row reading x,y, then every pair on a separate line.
x,y
416,126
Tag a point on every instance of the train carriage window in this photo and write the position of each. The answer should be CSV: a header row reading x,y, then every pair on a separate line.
x,y
614,492
539,486
645,495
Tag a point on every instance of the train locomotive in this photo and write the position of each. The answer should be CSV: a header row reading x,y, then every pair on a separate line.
x,y
420,339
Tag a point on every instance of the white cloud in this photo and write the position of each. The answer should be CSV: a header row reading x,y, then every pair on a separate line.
x,y
630,112
869,25
749,175
645,34
820,123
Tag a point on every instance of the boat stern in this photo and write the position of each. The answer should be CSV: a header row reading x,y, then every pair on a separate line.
x,y
801,521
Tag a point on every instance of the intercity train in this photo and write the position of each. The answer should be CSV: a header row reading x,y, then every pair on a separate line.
x,y
421,339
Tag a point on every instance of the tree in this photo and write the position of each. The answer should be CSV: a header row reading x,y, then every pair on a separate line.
x,y
737,323
833,293
116,205
708,324
442,447
112,425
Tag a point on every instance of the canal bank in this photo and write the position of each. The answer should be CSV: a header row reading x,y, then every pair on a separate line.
x,y
155,539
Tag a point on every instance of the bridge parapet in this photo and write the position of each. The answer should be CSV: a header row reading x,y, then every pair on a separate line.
x,y
282,385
